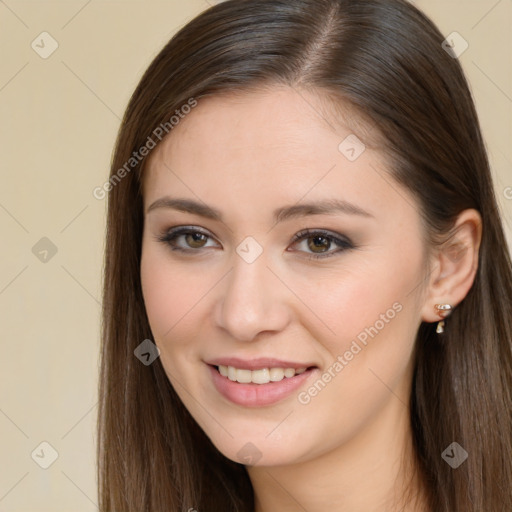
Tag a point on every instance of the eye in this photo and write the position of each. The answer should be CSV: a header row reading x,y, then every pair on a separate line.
x,y
193,238
319,241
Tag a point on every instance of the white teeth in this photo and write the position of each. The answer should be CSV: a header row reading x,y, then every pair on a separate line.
x,y
289,372
261,376
243,376
276,374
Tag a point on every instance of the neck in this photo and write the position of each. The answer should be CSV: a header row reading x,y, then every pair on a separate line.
x,y
372,471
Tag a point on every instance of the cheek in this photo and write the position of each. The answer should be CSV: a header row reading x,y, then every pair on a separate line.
x,y
374,317
158,289
176,297
369,313
169,293
169,297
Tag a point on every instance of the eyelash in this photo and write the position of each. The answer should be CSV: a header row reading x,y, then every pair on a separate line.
x,y
171,235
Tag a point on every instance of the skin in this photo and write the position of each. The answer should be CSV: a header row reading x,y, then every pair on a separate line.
x,y
247,155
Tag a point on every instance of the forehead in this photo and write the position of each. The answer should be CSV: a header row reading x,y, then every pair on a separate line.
x,y
275,118
273,146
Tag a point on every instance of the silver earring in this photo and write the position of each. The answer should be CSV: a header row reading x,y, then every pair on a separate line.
x,y
443,310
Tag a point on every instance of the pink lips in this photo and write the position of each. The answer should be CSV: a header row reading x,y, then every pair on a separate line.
x,y
257,395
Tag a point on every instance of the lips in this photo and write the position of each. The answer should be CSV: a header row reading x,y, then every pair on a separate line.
x,y
258,382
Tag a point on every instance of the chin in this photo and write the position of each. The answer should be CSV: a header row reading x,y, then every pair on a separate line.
x,y
256,449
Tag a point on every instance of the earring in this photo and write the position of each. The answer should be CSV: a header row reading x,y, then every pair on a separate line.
x,y
443,310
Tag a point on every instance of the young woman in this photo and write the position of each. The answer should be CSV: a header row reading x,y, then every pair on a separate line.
x,y
307,301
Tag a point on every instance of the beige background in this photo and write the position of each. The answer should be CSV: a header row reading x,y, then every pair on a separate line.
x,y
59,118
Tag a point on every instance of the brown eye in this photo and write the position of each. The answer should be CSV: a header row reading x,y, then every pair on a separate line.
x,y
320,241
317,242
195,239
185,239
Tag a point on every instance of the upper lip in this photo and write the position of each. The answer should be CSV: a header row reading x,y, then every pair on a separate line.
x,y
257,363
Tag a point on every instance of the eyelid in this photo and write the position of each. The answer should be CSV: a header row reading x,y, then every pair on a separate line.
x,y
174,232
343,242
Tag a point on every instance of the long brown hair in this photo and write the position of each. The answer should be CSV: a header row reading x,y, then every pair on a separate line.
x,y
385,59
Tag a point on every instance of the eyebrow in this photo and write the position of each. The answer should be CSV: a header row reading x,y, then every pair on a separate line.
x,y
324,207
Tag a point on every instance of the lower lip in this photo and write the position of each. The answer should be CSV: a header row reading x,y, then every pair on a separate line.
x,y
258,395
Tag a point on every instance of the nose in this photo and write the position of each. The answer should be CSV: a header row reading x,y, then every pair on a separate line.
x,y
252,301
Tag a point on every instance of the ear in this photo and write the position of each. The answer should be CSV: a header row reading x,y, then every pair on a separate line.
x,y
455,264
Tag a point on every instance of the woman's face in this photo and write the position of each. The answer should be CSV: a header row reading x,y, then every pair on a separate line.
x,y
237,294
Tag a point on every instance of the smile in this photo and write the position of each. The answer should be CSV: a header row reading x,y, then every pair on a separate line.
x,y
260,376
261,383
